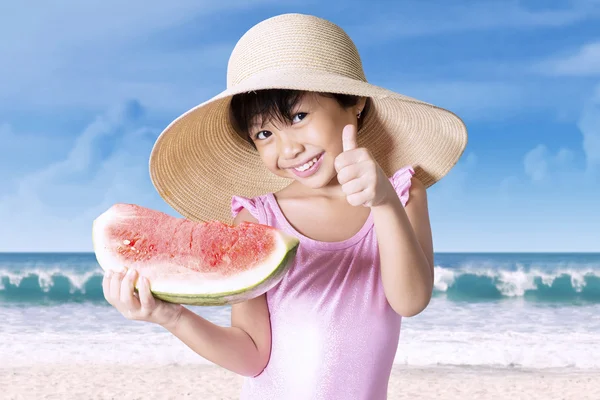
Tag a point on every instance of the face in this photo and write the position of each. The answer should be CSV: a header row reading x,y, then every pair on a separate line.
x,y
306,148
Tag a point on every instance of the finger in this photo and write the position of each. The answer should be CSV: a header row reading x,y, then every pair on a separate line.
x,y
350,157
359,199
115,286
349,138
147,300
353,186
106,285
126,295
348,173
343,160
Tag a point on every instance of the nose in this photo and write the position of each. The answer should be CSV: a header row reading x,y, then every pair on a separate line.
x,y
288,147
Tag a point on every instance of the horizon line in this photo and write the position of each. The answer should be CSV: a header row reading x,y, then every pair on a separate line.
x,y
435,252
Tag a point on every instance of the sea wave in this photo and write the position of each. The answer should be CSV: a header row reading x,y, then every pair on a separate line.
x,y
50,285
571,285
535,284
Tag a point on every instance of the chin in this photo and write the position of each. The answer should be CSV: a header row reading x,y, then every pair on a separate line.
x,y
319,180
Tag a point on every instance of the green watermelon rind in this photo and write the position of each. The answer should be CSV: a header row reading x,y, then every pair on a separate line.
x,y
236,296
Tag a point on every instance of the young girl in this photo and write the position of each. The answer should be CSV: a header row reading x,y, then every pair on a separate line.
x,y
302,142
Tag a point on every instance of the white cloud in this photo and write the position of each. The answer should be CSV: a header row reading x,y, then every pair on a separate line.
x,y
91,54
507,186
540,164
169,83
585,61
24,152
29,147
536,163
53,207
589,124
451,189
99,24
434,18
494,98
475,100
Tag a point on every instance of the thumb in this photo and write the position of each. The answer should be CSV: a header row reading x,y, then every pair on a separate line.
x,y
349,138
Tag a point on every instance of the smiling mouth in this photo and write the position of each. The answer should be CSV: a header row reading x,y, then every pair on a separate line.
x,y
306,166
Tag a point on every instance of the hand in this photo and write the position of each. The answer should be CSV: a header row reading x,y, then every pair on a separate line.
x,y
362,179
118,290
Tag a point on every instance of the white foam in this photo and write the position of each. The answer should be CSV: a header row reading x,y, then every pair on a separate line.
x,y
422,348
77,334
77,279
446,333
515,282
443,278
509,334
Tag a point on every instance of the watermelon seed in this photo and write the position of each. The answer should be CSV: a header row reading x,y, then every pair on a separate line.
x,y
126,241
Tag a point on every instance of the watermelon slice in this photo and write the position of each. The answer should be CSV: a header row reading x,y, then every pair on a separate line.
x,y
196,263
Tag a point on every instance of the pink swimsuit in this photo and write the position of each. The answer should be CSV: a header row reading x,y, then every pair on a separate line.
x,y
334,335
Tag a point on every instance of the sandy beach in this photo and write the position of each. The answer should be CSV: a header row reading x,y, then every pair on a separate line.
x,y
211,383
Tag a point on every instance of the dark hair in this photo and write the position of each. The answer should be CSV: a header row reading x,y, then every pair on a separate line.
x,y
278,105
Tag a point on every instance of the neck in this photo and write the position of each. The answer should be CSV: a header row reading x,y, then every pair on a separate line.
x,y
332,190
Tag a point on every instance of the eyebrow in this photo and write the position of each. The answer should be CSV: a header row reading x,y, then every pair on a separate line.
x,y
255,125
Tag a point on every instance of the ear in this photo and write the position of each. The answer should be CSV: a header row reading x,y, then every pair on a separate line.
x,y
360,105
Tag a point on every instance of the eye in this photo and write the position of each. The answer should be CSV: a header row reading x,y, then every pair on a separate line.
x,y
299,115
266,134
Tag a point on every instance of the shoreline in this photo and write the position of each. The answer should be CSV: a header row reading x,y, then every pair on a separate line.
x,y
122,381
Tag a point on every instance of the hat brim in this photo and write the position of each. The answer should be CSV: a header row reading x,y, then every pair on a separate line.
x,y
199,161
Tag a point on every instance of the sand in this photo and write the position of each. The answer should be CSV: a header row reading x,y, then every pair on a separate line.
x,y
81,382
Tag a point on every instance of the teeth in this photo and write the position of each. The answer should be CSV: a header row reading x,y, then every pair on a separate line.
x,y
307,165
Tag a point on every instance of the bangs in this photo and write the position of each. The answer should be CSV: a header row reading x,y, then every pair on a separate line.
x,y
260,107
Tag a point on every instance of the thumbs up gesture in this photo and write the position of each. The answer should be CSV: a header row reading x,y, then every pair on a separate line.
x,y
362,179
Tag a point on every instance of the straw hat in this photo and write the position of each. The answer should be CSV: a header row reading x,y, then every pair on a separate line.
x,y
199,161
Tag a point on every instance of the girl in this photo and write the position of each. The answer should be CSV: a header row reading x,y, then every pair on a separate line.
x,y
300,141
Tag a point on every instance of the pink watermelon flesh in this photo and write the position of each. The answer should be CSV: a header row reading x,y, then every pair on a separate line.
x,y
190,262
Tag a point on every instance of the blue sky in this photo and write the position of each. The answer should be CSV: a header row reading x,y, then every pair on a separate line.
x,y
88,86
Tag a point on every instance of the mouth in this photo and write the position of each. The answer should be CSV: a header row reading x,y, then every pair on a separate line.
x,y
308,168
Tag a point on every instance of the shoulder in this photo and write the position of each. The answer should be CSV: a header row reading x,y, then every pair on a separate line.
x,y
411,191
244,216
417,189
407,186
247,209
416,205
292,191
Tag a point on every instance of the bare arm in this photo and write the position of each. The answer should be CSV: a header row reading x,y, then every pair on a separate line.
x,y
244,347
406,250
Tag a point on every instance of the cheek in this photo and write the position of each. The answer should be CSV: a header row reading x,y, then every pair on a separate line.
x,y
333,144
269,158
327,137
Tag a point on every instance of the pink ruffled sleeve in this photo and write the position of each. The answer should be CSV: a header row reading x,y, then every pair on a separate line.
x,y
401,181
239,202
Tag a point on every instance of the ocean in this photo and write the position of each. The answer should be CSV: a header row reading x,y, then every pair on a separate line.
x,y
489,310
